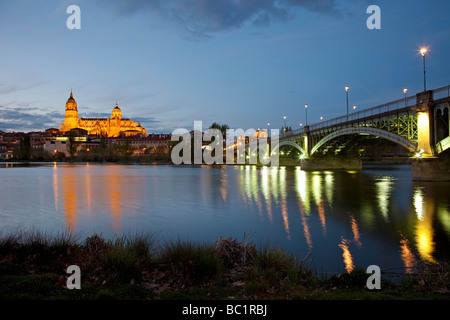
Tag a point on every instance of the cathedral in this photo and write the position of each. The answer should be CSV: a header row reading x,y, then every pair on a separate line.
x,y
113,126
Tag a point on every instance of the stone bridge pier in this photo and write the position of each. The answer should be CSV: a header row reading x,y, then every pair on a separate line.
x,y
430,165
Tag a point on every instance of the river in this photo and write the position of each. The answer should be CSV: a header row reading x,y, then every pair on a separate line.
x,y
337,219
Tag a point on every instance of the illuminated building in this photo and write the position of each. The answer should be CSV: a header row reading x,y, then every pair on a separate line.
x,y
113,126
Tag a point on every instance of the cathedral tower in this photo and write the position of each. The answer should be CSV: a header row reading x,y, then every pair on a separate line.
x,y
71,118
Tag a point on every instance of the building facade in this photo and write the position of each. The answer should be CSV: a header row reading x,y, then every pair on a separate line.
x,y
113,126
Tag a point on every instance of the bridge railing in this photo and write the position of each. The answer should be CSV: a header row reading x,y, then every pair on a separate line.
x,y
439,93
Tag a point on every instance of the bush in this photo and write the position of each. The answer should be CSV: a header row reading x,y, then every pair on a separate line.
x,y
122,259
195,263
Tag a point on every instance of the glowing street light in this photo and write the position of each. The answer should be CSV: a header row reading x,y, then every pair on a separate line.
x,y
423,52
346,91
354,108
285,124
405,91
306,111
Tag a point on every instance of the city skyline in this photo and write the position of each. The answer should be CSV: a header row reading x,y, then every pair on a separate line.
x,y
245,64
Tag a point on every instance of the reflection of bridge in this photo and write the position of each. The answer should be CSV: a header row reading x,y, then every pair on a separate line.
x,y
419,123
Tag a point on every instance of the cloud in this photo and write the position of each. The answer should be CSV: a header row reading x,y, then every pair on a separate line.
x,y
26,119
22,119
5,89
203,17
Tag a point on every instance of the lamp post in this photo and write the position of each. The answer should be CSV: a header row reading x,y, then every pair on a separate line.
x,y
405,91
285,129
423,52
306,111
346,92
268,125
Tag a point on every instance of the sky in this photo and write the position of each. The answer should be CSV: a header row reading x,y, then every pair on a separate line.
x,y
244,63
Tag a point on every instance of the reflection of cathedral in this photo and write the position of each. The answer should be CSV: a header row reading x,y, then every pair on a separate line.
x,y
111,127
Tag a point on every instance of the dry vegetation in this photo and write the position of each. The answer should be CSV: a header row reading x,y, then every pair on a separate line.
x,y
33,266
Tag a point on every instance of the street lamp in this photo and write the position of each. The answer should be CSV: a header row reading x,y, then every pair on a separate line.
x,y
405,91
306,111
423,52
285,129
346,92
268,125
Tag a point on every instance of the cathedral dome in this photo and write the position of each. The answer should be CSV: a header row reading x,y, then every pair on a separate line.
x,y
117,113
71,104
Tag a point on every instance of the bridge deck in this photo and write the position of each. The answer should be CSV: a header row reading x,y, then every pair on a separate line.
x,y
399,108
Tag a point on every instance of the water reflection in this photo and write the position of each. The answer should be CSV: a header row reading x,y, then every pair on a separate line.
x,y
86,192
265,181
224,185
407,255
284,205
319,192
355,230
418,203
384,188
432,209
346,255
424,226
301,196
316,192
369,217
55,185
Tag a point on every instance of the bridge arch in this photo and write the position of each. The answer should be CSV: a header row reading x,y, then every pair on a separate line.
x,y
287,143
370,131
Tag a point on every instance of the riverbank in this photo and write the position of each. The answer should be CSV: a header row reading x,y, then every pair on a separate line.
x,y
283,162
34,266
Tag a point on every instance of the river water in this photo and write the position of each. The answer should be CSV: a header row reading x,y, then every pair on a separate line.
x,y
337,219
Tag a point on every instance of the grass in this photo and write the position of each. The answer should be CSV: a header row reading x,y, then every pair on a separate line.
x,y
33,266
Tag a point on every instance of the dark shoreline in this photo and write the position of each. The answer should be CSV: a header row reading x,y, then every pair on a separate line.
x,y
33,266
365,161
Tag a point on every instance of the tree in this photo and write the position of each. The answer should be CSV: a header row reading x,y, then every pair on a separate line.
x,y
222,127
23,151
72,144
123,150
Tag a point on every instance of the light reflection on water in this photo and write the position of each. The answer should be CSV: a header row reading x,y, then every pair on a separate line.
x,y
341,219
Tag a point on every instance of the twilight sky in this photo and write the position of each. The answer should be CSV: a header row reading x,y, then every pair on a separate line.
x,y
168,63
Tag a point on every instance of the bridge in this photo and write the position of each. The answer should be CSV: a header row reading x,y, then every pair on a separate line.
x,y
419,123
